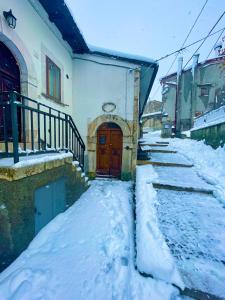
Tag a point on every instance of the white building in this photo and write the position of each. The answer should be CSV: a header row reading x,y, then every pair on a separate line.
x,y
46,58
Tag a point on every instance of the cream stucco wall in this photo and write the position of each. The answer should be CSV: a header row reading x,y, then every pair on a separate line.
x,y
33,38
97,81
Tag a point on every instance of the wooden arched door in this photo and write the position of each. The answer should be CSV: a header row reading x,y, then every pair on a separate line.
x,y
9,81
109,150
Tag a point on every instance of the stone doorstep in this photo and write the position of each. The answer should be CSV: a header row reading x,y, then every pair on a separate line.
x,y
160,151
159,185
156,163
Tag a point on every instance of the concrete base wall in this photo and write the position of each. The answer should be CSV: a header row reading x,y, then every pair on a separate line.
x,y
17,207
213,135
185,124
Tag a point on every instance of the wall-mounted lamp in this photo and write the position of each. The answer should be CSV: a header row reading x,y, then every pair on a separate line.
x,y
10,18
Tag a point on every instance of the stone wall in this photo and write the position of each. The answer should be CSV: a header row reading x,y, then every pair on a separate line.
x,y
213,135
17,207
154,123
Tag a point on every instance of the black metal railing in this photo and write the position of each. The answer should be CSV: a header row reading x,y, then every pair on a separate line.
x,y
30,127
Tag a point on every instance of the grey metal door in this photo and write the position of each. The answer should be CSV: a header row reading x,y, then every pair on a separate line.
x,y
59,203
49,202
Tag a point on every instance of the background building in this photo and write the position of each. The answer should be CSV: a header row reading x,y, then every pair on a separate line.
x,y
202,89
151,119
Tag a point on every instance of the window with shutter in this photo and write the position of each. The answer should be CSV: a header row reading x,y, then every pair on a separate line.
x,y
53,80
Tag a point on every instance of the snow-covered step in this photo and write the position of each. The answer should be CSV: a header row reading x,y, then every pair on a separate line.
x,y
162,143
166,186
193,225
84,178
158,149
160,163
153,145
170,159
180,179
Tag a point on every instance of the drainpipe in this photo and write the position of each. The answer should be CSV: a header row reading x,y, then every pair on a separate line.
x,y
193,87
178,99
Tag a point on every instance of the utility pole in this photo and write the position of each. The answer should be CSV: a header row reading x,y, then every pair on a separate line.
x,y
193,88
178,99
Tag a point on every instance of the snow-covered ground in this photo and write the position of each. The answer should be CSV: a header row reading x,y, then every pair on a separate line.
x,y
186,229
88,252
208,162
193,225
85,253
153,254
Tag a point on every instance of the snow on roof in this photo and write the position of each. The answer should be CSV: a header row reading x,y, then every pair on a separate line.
x,y
121,55
60,14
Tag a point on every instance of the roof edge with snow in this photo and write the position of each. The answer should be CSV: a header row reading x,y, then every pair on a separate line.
x,y
59,14
133,58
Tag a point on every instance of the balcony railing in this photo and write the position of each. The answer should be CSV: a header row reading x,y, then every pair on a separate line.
x,y
30,127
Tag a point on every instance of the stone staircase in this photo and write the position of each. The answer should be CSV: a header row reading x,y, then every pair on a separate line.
x,y
188,214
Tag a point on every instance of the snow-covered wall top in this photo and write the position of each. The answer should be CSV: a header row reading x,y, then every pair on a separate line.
x,y
211,118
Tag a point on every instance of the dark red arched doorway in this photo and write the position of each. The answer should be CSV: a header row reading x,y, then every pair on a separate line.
x,y
109,150
9,81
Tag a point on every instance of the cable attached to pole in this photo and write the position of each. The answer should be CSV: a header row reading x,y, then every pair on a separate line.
x,y
215,43
190,31
205,38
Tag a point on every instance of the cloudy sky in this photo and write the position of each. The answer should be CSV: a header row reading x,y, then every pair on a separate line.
x,y
151,28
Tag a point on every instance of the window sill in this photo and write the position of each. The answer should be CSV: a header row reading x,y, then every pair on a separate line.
x,y
54,100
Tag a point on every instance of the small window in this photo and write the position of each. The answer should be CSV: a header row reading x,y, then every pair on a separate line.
x,y
204,91
53,80
102,140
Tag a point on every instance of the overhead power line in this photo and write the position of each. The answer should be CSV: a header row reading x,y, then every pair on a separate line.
x,y
190,31
215,43
181,49
205,38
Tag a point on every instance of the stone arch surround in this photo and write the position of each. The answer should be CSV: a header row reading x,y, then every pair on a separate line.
x,y
129,144
28,76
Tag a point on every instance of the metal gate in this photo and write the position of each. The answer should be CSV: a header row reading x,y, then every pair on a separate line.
x,y
49,200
